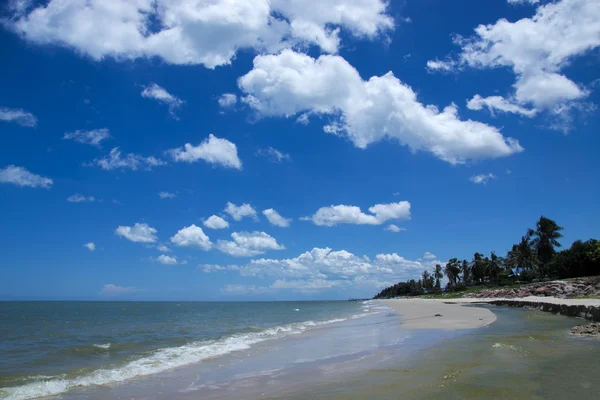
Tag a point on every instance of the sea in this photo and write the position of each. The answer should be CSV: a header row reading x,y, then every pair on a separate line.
x,y
112,349
333,350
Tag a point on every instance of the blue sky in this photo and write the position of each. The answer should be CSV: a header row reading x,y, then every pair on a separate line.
x,y
487,120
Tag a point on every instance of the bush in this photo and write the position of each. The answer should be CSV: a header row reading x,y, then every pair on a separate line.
x,y
528,276
459,287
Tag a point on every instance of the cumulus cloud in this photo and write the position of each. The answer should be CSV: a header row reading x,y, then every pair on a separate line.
x,y
342,214
227,100
167,195
93,137
167,260
239,212
160,94
138,233
366,112
394,228
18,116
248,244
499,103
273,155
192,236
131,161
429,256
241,289
523,1
91,246
163,248
79,198
216,222
276,219
114,290
22,177
324,268
213,150
482,178
184,31
537,50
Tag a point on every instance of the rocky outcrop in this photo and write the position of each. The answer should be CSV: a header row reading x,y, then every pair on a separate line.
x,y
589,330
568,289
585,311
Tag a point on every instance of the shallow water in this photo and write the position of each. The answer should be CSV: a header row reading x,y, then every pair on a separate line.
x,y
523,355
49,348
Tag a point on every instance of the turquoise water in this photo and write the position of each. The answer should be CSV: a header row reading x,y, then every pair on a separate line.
x,y
49,348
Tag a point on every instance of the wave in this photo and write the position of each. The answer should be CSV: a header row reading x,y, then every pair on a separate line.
x,y
157,361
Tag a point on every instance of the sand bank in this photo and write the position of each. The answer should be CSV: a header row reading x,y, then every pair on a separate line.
x,y
421,314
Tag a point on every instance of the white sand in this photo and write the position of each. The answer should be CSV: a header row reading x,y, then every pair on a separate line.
x,y
420,314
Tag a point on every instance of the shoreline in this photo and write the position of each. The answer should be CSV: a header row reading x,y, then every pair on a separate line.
x,y
588,309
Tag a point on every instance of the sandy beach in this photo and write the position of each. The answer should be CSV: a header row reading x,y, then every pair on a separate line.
x,y
421,314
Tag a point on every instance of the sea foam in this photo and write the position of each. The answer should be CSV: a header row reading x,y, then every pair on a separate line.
x,y
159,361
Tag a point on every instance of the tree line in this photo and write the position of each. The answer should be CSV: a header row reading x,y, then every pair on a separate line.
x,y
534,257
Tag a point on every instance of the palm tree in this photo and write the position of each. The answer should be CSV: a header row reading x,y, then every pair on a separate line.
x,y
546,235
452,271
438,275
494,267
478,268
466,273
522,254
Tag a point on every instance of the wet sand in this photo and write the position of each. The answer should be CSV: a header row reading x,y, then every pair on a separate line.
x,y
421,314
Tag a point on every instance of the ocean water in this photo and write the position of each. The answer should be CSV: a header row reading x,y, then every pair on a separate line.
x,y
83,348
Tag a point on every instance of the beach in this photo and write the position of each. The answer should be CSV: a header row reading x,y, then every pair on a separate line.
x,y
434,314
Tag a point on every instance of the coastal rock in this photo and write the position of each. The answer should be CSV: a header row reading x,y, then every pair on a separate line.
x,y
573,288
589,330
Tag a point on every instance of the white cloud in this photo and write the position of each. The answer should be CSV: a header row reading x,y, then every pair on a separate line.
x,y
216,222
227,100
192,236
429,256
212,150
239,212
323,268
167,195
342,214
523,1
163,248
482,178
273,155
440,66
91,246
208,32
240,289
114,290
131,161
79,198
167,260
499,103
208,268
382,107
394,228
18,116
248,244
22,177
139,233
276,219
93,137
537,50
160,94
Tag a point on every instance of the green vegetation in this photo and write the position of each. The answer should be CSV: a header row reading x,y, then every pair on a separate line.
x,y
533,258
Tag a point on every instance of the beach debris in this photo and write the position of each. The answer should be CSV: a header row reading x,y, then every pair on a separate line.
x,y
588,330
